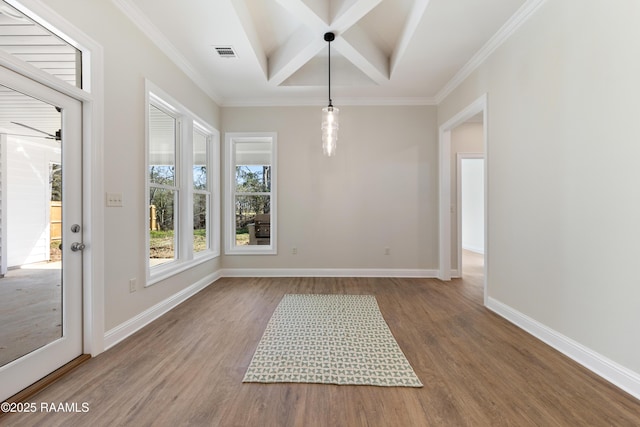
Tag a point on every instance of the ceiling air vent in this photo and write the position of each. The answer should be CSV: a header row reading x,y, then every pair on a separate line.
x,y
225,51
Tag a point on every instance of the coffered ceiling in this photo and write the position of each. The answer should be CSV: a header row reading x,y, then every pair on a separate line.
x,y
385,51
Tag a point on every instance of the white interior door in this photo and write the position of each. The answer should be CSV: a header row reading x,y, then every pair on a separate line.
x,y
41,292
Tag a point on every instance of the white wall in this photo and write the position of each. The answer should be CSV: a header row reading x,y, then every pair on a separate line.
x,y
129,58
564,199
472,204
28,200
563,156
379,191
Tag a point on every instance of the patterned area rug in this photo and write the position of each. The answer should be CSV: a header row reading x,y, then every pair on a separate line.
x,y
331,339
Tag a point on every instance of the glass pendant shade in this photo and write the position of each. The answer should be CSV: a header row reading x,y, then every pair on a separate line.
x,y
330,127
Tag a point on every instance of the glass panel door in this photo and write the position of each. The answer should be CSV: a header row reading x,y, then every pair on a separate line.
x,y
41,236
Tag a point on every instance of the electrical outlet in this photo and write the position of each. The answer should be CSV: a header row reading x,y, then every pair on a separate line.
x,y
114,200
132,285
387,251
294,251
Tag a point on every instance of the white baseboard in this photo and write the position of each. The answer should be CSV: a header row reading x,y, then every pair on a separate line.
x,y
474,249
611,371
328,272
122,331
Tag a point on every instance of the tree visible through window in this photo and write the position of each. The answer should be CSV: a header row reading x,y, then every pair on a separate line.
x,y
183,198
251,211
201,191
253,203
163,188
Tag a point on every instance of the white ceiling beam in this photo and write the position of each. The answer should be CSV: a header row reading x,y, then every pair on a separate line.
x,y
304,44
358,48
308,40
250,31
297,51
350,12
311,13
415,16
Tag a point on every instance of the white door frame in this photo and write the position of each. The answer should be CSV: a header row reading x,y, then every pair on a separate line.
x,y
40,362
446,208
3,203
92,98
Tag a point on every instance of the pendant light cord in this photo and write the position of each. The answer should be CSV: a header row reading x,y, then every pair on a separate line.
x,y
330,102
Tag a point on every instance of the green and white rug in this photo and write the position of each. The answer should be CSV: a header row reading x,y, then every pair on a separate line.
x,y
331,339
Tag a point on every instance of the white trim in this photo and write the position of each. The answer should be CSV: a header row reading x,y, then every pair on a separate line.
x,y
129,327
34,73
115,335
446,209
230,247
3,204
611,371
170,269
141,21
49,19
328,272
92,97
215,189
521,16
186,121
315,102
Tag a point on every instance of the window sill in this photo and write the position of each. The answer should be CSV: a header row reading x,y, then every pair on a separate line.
x,y
163,272
251,250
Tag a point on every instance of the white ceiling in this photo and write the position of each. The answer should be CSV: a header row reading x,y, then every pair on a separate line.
x,y
385,52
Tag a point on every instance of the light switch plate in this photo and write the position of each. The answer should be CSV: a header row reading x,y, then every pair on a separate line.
x,y
114,200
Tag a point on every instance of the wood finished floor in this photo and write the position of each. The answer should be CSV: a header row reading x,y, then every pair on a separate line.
x,y
479,370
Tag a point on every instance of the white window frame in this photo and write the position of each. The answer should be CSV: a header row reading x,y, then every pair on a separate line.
x,y
177,187
186,123
212,191
231,139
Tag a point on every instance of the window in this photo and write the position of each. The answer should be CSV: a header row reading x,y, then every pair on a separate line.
x,y
163,186
251,199
34,41
182,188
201,191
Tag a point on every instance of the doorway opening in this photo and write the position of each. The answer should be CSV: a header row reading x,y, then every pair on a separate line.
x,y
77,89
40,297
470,219
463,136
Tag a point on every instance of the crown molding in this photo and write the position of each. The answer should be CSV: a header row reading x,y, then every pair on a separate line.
x,y
516,21
141,21
316,102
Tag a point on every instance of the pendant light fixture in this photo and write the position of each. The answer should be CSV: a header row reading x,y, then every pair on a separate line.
x,y
329,114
